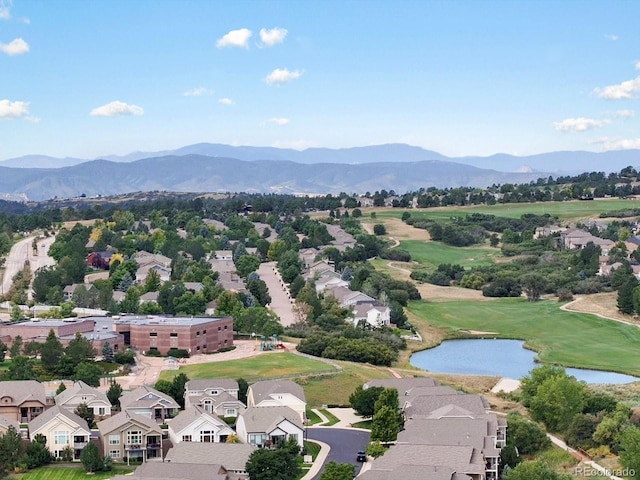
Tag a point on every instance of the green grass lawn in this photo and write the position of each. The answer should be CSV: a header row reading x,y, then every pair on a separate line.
x,y
5,365
330,416
435,253
66,473
572,210
272,365
312,417
566,338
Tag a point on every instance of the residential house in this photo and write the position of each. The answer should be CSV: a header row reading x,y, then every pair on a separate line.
x,y
347,297
195,287
267,426
194,424
214,395
271,393
374,315
99,260
424,406
179,471
129,436
62,429
143,272
413,472
149,403
5,423
22,400
145,258
232,282
233,456
403,385
223,254
69,290
149,297
80,392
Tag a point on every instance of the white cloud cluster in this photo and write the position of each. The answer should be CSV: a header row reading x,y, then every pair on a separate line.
x,y
637,65
15,47
272,36
115,109
282,75
226,101
613,38
625,113
621,91
196,92
277,121
9,109
5,9
580,124
235,38
609,144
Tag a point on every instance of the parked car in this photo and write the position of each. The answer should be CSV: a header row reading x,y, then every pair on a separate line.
x,y
362,456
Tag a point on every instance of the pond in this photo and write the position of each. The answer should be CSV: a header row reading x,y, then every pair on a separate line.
x,y
497,357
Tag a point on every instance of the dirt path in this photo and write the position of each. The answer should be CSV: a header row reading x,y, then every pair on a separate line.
x,y
602,305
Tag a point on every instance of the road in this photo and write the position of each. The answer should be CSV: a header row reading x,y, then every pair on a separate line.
x,y
280,298
344,442
22,252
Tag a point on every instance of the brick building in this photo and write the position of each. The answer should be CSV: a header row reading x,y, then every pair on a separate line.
x,y
38,329
193,334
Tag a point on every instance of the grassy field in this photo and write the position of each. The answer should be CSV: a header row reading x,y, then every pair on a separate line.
x,y
566,338
436,253
275,365
566,211
49,473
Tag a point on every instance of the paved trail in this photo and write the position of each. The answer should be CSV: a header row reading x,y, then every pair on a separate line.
x,y
280,298
20,253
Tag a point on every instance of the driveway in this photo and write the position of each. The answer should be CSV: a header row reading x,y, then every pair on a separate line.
x,y
280,297
344,443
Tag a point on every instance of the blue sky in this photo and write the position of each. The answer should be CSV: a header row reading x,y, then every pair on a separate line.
x,y
89,78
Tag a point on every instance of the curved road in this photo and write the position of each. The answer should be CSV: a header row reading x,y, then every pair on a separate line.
x,y
344,442
22,252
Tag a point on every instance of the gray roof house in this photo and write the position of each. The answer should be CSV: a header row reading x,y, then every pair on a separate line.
x,y
215,395
179,471
270,393
402,384
149,403
233,456
194,424
423,406
62,429
266,426
79,393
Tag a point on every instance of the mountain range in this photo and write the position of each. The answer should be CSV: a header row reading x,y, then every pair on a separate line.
x,y
214,167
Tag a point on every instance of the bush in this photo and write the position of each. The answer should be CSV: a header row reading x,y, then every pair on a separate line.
x,y
179,353
379,229
565,295
152,353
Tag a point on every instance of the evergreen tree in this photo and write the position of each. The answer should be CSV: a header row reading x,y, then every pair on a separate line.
x,y
107,352
114,393
90,458
51,352
625,296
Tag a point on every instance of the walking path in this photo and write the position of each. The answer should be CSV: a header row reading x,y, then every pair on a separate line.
x,y
601,471
281,302
319,461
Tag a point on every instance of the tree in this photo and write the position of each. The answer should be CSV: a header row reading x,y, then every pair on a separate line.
x,y
178,388
243,387
379,229
37,453
114,393
277,464
385,425
90,458
363,401
152,283
11,448
89,373
3,351
16,346
630,449
537,470
338,471
625,296
557,401
107,352
16,313
80,349
533,285
529,384
86,413
21,368
61,388
51,352
526,436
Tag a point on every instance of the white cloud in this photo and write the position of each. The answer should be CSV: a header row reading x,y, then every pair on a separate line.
x,y
197,92
9,109
5,9
277,121
282,75
16,47
226,101
613,38
115,109
580,124
637,65
625,113
621,91
272,36
235,38
617,143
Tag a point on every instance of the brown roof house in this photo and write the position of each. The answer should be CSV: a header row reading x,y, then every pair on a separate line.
x,y
22,400
233,456
63,430
79,393
149,403
130,436
179,471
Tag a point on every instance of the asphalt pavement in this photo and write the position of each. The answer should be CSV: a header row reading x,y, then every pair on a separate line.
x,y
344,442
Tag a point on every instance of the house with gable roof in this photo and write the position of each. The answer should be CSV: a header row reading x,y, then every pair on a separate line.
x,y
180,471
194,424
233,456
22,400
62,429
79,393
149,403
267,426
214,395
272,393
5,423
131,436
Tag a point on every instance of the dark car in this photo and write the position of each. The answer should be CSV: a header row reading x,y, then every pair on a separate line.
x,y
362,457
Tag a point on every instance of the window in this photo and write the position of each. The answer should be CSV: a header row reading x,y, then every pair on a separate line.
x,y
230,412
61,438
197,348
114,439
134,437
173,334
197,334
204,332
153,334
207,436
102,411
186,438
294,436
204,347
219,328
114,454
225,327
79,439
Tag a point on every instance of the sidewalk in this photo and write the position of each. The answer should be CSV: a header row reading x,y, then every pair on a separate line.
x,y
319,461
